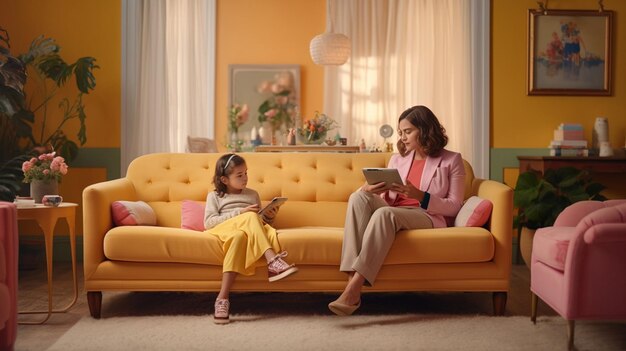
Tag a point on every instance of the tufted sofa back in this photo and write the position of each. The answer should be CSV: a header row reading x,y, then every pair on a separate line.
x,y
307,179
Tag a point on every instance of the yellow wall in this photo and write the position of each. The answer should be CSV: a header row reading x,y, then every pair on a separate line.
x,y
80,28
268,32
521,121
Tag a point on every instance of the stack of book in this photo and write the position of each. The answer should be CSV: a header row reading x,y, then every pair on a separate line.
x,y
569,141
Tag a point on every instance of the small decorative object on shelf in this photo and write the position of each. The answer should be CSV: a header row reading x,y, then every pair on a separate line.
x,y
569,141
362,147
44,174
291,136
313,131
237,116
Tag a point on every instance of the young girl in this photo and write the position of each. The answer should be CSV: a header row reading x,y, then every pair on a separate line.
x,y
231,214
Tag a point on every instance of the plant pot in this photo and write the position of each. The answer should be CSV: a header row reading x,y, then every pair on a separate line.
x,y
39,188
321,138
526,244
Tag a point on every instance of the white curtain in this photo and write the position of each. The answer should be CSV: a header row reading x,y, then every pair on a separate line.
x,y
404,53
168,75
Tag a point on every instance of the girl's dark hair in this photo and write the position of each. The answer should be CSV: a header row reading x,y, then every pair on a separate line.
x,y
432,135
224,167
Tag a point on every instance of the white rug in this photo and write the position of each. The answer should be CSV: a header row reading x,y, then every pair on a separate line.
x,y
359,332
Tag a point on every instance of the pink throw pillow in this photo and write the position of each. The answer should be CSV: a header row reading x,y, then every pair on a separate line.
x,y
474,213
132,213
192,215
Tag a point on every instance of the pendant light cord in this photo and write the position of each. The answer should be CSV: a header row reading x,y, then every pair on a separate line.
x,y
329,20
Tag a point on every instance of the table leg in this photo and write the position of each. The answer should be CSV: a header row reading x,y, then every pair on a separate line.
x,y
47,225
70,224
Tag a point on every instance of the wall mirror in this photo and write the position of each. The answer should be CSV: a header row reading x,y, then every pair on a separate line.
x,y
264,88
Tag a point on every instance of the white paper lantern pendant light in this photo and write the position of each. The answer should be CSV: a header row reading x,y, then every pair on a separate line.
x,y
330,48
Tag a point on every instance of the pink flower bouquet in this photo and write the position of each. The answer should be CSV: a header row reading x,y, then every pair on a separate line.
x,y
45,167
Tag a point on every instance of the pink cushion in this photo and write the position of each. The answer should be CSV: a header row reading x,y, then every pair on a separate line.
x,y
132,213
474,213
550,245
192,215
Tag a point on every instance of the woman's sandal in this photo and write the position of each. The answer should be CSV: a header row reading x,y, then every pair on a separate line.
x,y
341,309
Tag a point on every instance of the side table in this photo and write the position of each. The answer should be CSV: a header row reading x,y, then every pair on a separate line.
x,y
47,218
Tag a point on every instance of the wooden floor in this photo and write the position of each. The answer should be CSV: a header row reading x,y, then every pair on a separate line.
x,y
32,295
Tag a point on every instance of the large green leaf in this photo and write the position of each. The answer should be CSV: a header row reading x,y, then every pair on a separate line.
x,y
11,176
11,101
12,73
83,68
52,66
22,122
39,47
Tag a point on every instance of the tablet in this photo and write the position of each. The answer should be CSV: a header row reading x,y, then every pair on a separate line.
x,y
386,175
277,201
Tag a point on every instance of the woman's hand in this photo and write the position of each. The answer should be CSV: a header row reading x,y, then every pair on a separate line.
x,y
409,190
374,188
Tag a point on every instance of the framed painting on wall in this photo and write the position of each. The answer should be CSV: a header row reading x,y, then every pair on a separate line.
x,y
271,93
569,52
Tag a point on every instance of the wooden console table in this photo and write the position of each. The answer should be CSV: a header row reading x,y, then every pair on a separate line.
x,y
306,148
594,164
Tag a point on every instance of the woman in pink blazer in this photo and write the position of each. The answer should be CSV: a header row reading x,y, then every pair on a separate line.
x,y
431,197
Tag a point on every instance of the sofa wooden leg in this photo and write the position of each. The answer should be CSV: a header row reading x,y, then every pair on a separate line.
x,y
499,303
570,334
533,308
94,300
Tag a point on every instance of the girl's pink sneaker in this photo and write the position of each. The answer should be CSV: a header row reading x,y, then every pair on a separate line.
x,y
278,269
221,315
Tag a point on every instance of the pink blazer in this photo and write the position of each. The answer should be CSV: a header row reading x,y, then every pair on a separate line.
x,y
443,179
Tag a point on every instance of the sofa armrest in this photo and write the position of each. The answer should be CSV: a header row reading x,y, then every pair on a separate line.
x,y
501,223
97,220
606,233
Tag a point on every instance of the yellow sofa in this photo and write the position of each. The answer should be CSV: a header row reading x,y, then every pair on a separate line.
x,y
167,258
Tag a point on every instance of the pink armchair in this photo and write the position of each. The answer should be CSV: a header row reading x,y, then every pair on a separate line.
x,y
8,275
578,266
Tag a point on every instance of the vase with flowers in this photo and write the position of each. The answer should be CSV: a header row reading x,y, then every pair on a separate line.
x,y
279,108
237,116
313,131
44,174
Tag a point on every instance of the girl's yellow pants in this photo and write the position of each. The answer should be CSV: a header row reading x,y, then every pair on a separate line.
x,y
245,238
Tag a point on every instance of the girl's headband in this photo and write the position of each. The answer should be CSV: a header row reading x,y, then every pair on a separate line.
x,y
228,162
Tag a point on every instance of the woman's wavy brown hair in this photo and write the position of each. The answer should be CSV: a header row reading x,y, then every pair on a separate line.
x,y
432,135
221,169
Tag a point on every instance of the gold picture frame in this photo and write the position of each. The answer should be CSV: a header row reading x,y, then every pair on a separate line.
x,y
569,52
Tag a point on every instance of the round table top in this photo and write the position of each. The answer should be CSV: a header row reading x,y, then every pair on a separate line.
x,y
40,206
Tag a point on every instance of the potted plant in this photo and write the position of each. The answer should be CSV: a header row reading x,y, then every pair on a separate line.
x,y
19,114
541,198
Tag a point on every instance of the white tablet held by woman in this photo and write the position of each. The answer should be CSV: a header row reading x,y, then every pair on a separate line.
x,y
386,175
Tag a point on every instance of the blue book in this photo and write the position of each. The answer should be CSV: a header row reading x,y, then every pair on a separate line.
x,y
570,126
